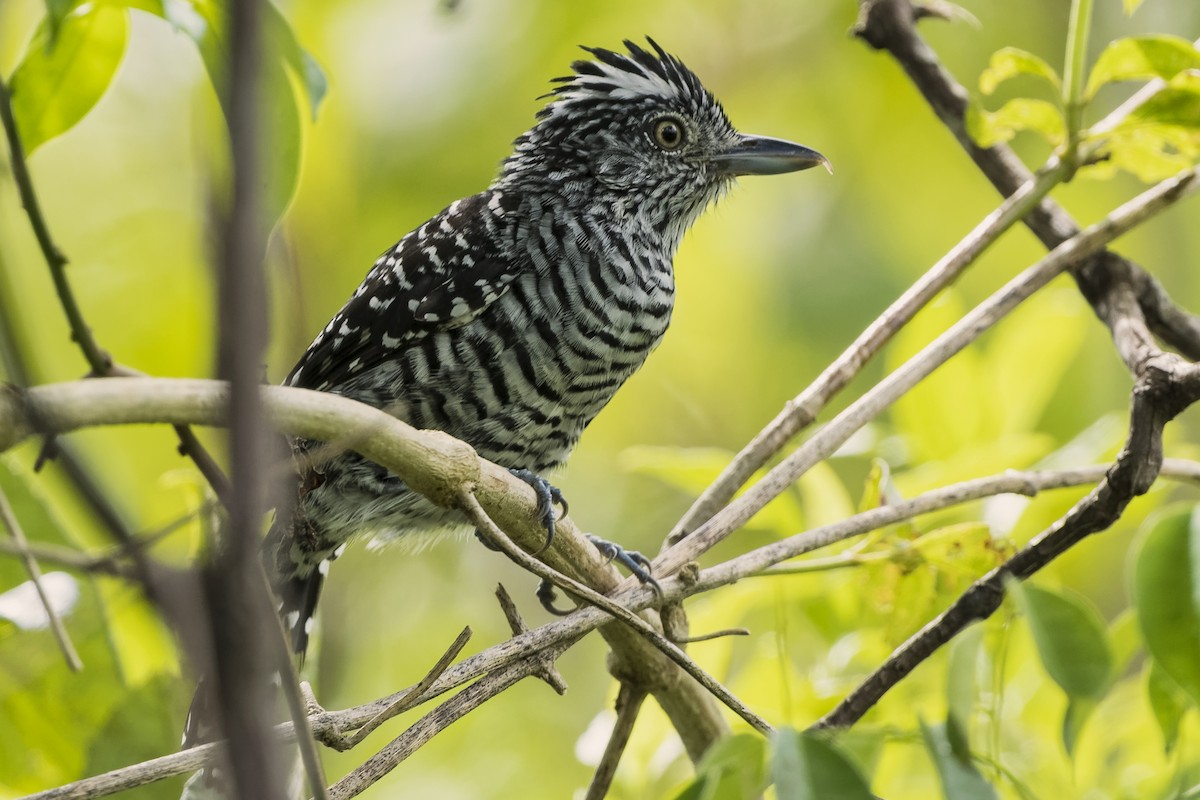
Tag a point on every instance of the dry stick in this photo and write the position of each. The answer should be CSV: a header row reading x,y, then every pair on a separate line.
x,y
629,703
9,520
968,329
1027,483
466,701
332,737
565,631
549,674
480,519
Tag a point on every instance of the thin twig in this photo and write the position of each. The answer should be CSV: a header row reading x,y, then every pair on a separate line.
x,y
97,358
331,737
466,701
497,537
9,520
549,674
629,704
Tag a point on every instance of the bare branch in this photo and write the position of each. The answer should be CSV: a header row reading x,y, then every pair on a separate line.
x,y
629,703
968,329
1168,385
801,411
889,25
330,736
497,537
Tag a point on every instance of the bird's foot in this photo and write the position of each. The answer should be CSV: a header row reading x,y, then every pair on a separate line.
x,y
638,565
548,496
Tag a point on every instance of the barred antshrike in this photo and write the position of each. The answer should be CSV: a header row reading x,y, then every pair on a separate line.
x,y
510,319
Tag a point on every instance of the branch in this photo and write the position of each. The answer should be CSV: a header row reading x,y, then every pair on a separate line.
x,y
431,462
99,360
1169,385
629,703
315,414
828,439
801,411
889,25
496,537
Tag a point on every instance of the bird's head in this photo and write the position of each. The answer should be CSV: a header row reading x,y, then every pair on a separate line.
x,y
637,134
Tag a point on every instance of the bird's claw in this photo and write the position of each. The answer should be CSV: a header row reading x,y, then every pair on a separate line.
x,y
548,496
638,565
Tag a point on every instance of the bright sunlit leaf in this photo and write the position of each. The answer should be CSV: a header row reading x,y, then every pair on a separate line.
x,y
1166,590
989,128
60,80
960,780
1142,58
1009,62
805,766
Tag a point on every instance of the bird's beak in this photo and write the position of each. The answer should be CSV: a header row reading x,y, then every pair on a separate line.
x,y
762,155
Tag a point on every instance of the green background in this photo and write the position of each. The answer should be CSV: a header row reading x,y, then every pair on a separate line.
x,y
422,105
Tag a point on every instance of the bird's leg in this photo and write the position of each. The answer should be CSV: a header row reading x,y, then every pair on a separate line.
x,y
547,496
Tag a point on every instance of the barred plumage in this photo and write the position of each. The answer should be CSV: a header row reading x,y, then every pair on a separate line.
x,y
511,318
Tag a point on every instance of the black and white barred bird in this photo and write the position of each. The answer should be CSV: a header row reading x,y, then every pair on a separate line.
x,y
511,318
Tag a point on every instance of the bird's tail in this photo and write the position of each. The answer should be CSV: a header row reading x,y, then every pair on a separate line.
x,y
297,590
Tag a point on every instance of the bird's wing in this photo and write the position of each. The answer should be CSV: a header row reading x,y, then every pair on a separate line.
x,y
440,276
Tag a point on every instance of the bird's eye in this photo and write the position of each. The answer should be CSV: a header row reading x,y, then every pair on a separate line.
x,y
668,133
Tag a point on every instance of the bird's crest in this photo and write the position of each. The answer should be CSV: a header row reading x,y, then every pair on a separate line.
x,y
638,75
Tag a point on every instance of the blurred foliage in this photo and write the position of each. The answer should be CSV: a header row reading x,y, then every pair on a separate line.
x,y
1064,693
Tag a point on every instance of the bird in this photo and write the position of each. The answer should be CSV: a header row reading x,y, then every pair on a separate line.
x,y
510,318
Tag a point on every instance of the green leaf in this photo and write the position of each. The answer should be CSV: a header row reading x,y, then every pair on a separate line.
x,y
805,766
1168,702
989,128
1070,637
1166,593
204,21
961,690
1176,106
1009,62
1131,6
59,81
960,780
733,769
56,12
1142,58
297,58
1079,709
